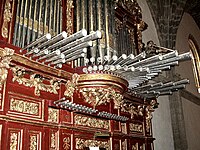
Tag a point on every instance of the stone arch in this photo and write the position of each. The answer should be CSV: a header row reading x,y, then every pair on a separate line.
x,y
194,48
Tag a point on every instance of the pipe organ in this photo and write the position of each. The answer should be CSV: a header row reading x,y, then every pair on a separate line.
x,y
76,75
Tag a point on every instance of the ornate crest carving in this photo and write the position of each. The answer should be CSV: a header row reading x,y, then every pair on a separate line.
x,y
5,58
35,80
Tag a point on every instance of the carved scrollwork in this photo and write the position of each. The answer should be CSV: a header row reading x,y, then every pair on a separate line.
x,y
66,143
35,80
136,127
5,58
91,122
133,110
131,5
33,142
149,110
69,14
24,107
82,143
13,141
71,85
98,96
6,18
53,115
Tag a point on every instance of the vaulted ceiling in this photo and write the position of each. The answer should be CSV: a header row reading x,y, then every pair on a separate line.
x,y
193,8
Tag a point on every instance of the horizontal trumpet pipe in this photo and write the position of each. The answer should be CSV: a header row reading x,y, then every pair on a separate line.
x,y
41,53
147,61
87,38
75,57
129,58
181,57
78,47
113,59
78,52
172,88
61,56
34,50
52,54
136,58
170,55
37,41
60,61
70,38
163,65
121,58
62,35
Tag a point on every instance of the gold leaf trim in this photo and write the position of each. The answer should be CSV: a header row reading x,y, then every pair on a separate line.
x,y
91,122
53,115
24,107
71,85
136,127
34,81
82,143
6,18
66,143
5,58
69,15
98,95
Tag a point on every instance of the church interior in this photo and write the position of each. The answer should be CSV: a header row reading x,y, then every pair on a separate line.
x,y
99,75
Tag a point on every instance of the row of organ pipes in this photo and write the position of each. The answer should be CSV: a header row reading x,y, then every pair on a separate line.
x,y
138,69
93,46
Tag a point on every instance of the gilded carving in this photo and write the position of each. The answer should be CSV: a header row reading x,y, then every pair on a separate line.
x,y
136,127
24,106
35,80
53,115
81,143
71,85
91,122
33,142
124,145
53,141
66,143
13,141
130,5
123,128
5,58
135,147
149,110
98,96
133,110
69,13
6,18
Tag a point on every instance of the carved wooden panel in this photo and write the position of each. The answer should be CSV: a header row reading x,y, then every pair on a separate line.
x,y
65,140
14,139
53,140
25,106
